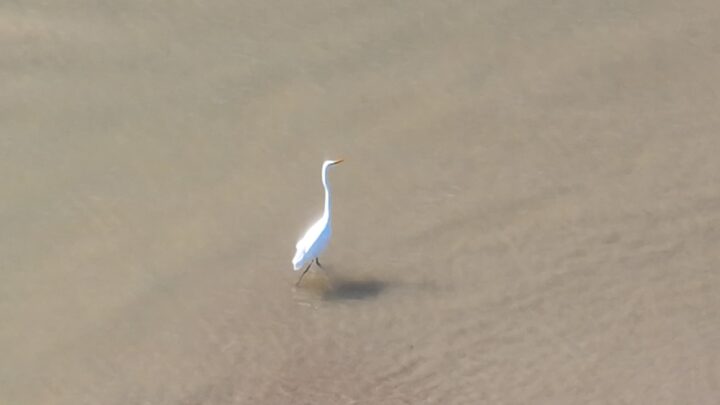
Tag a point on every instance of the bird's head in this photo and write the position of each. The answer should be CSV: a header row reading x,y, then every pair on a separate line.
x,y
329,163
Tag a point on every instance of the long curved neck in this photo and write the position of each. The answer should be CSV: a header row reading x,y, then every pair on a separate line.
x,y
326,213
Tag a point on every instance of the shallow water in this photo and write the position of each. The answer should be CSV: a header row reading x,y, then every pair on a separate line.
x,y
529,210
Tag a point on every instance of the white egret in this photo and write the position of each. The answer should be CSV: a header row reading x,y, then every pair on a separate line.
x,y
316,238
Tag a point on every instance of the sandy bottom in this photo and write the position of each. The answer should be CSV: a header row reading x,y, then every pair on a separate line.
x,y
528,213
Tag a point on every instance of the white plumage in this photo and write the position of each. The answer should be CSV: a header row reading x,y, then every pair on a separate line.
x,y
316,238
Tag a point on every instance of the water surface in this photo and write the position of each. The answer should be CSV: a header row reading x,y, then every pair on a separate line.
x,y
529,211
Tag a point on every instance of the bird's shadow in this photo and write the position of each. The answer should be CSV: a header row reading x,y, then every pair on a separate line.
x,y
353,289
328,286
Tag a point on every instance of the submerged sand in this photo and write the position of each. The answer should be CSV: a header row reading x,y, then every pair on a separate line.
x,y
529,211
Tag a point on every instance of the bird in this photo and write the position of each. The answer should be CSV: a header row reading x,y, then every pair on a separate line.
x,y
316,238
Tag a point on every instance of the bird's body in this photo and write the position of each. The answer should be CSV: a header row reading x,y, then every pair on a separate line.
x,y
312,243
316,238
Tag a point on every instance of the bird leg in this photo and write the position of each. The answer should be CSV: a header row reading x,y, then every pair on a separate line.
x,y
317,261
303,274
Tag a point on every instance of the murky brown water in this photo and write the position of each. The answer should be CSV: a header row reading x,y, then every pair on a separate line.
x,y
529,211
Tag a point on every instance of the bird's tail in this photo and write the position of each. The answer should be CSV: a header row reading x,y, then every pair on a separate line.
x,y
297,261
